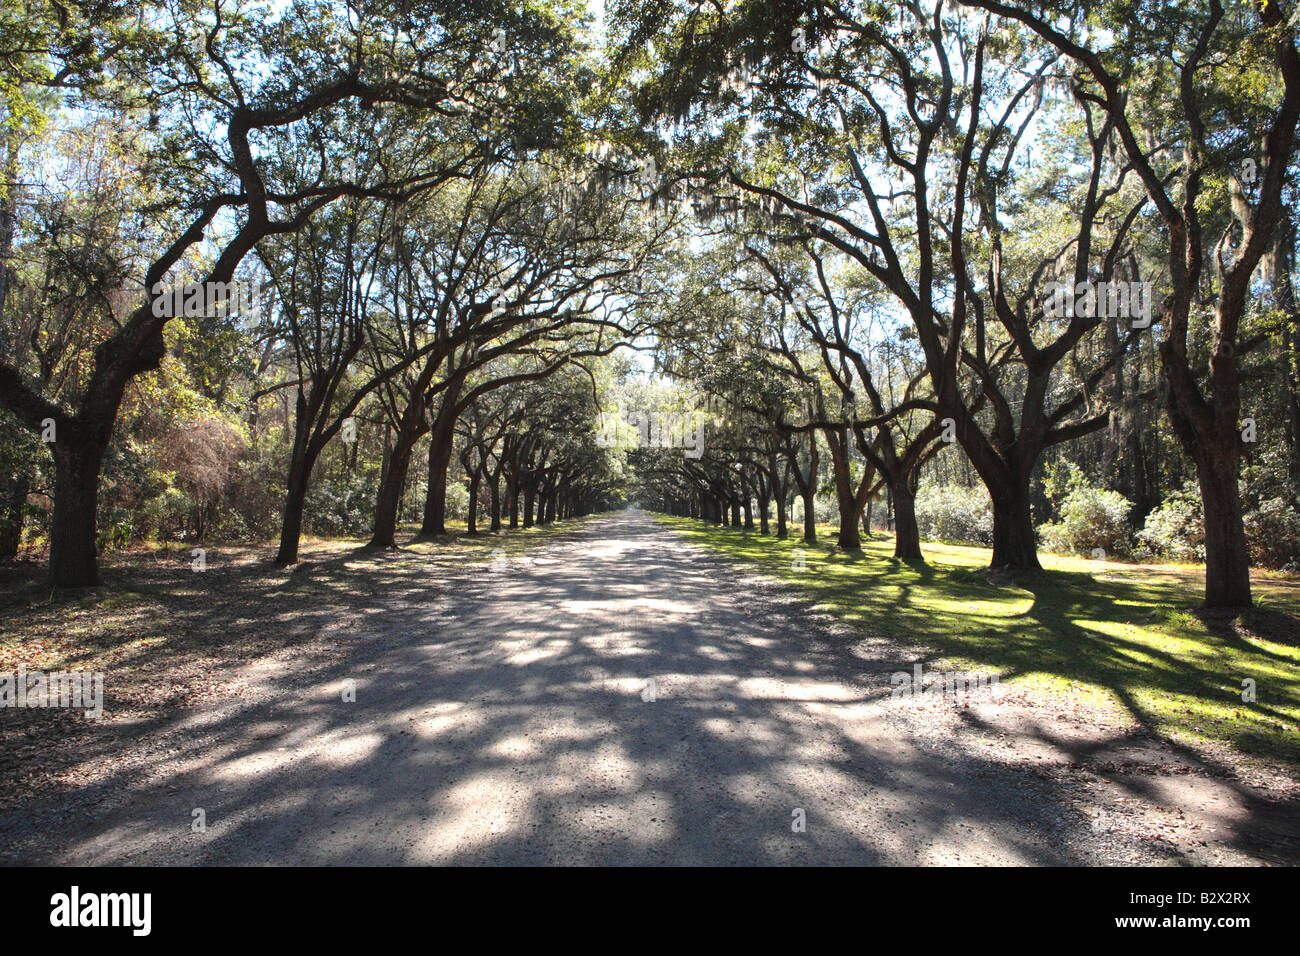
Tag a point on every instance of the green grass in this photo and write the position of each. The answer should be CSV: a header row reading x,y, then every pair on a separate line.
x,y
1126,638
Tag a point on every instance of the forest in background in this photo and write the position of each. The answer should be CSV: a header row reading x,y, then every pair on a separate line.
x,y
1015,275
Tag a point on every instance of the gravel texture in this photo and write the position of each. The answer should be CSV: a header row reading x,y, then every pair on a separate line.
x,y
618,696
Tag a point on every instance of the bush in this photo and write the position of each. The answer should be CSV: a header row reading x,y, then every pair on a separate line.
x,y
342,504
258,491
159,518
1273,535
1175,530
955,514
1271,514
1091,519
825,510
457,503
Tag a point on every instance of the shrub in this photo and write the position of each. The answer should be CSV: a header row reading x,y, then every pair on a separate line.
x,y
1091,519
955,514
341,504
1176,529
457,504
1273,534
825,510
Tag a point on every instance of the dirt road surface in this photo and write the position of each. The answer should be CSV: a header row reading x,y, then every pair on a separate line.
x,y
617,696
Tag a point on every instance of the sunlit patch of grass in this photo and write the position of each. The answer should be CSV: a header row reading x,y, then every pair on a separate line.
x,y
1124,637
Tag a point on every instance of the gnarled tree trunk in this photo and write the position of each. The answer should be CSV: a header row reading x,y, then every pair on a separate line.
x,y
1015,546
295,497
1227,555
388,501
907,535
72,526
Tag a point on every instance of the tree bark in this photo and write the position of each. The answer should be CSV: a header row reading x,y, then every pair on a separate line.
x,y
388,502
808,489
1227,555
435,495
849,503
442,435
907,535
291,522
494,488
302,459
471,519
72,526
809,515
1014,543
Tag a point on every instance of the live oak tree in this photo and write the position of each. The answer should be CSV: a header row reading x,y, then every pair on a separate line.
x,y
226,90
324,281
532,267
897,142
1191,156
839,324
68,251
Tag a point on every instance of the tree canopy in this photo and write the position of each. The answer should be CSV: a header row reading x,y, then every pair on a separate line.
x,y
1016,273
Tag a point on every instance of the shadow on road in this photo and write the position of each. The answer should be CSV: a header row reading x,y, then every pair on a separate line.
x,y
616,697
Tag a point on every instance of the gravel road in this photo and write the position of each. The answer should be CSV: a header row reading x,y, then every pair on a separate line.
x,y
617,696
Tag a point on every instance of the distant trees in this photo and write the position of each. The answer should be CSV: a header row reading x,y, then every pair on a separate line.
x,y
1006,177
880,249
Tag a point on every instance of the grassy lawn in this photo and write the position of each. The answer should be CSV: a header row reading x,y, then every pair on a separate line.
x,y
1124,637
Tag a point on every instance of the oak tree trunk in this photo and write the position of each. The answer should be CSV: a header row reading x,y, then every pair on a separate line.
x,y
1014,545
1227,555
907,535
291,522
72,526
